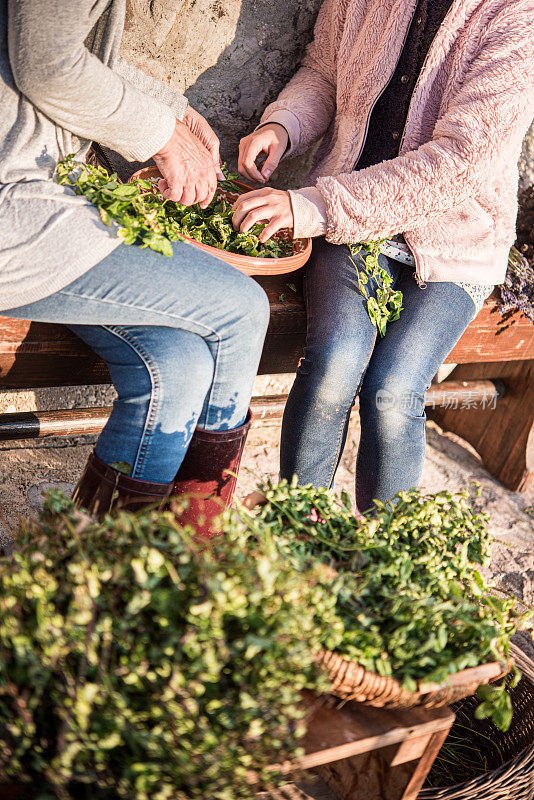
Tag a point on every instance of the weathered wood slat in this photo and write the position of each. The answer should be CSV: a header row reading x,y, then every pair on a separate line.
x,y
364,752
35,355
492,337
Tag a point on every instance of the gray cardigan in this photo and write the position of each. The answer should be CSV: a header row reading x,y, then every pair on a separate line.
x,y
62,85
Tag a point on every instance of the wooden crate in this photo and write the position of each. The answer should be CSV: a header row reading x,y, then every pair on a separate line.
x,y
366,753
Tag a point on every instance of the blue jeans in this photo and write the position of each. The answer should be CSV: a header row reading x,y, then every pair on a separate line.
x,y
182,338
344,359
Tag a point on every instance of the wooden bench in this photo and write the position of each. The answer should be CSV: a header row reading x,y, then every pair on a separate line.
x,y
488,400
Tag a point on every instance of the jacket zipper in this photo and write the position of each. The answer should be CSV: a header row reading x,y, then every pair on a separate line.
x,y
417,274
377,98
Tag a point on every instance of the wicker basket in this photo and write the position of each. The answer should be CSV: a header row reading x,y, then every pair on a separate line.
x,y
352,682
513,780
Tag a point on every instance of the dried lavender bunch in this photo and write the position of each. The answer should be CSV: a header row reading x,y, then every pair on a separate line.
x,y
517,291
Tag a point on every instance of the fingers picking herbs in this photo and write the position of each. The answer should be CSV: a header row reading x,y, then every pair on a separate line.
x,y
270,206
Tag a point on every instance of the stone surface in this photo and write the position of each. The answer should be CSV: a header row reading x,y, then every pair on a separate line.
x,y
526,162
230,58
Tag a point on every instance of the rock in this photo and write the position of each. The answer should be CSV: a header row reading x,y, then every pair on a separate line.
x,y
523,640
230,58
38,490
526,162
7,544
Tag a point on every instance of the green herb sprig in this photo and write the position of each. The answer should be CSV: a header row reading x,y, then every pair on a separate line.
x,y
145,219
385,304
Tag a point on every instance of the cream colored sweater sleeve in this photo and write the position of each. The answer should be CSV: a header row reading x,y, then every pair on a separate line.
x,y
52,67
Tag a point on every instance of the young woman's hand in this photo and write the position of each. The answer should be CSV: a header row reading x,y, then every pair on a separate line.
x,y
263,205
189,174
203,131
271,139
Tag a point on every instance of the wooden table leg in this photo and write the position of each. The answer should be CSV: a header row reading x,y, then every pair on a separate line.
x,y
501,433
424,765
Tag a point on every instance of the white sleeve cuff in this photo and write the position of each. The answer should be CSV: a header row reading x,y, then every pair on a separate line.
x,y
309,212
287,120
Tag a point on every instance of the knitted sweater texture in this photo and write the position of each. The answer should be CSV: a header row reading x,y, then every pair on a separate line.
x,y
62,85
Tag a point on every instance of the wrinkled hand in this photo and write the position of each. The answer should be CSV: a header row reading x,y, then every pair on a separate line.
x,y
189,174
200,128
263,205
271,139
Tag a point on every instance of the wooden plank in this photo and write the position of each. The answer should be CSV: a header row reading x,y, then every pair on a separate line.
x,y
35,355
281,353
492,337
374,752
424,765
338,732
38,354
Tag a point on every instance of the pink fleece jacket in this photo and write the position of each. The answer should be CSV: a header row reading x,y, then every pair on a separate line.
x,y
452,191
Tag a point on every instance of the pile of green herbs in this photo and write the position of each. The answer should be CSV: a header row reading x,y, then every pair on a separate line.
x,y
136,666
146,219
384,304
411,601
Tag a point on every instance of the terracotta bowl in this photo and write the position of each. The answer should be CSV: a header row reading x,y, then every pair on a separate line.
x,y
250,265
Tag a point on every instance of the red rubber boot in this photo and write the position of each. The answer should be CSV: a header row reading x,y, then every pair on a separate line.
x,y
102,489
207,478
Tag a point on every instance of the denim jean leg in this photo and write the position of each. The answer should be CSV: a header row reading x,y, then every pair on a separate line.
x,y
191,293
236,359
339,343
151,369
392,397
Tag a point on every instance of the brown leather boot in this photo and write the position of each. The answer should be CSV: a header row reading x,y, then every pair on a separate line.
x,y
207,477
101,489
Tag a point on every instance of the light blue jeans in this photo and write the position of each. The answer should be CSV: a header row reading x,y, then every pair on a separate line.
x,y
182,338
344,359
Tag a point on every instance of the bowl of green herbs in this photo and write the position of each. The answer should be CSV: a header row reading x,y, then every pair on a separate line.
x,y
417,623
211,229
142,217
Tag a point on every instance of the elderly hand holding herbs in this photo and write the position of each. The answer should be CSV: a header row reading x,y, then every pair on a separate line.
x,y
189,162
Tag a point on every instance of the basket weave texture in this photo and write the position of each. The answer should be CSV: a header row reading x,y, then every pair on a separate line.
x,y
513,780
349,681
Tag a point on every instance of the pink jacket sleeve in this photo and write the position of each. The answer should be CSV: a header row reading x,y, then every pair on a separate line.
x,y
487,118
310,95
